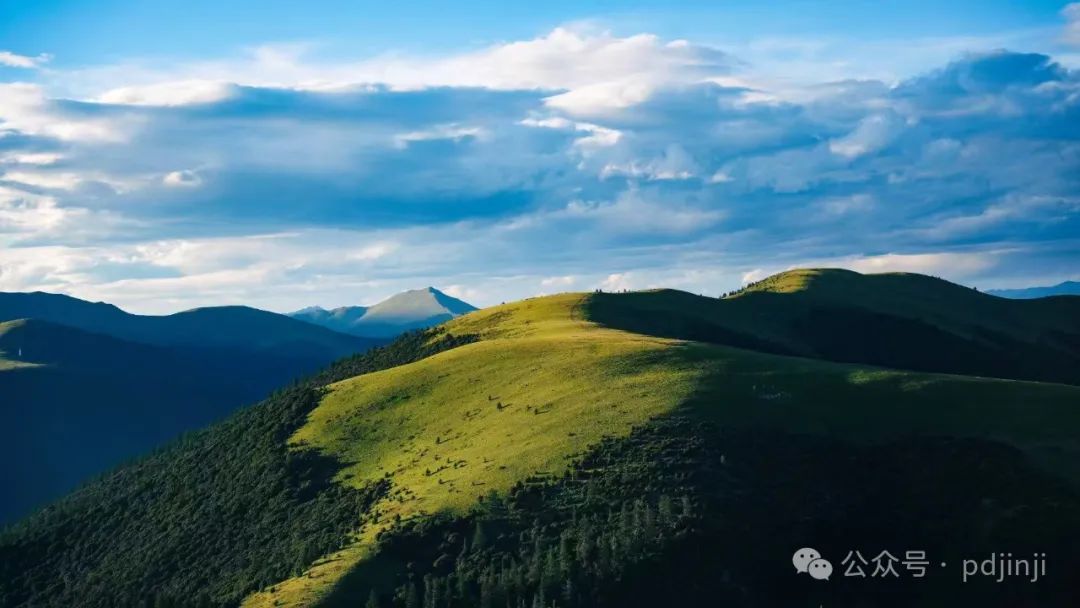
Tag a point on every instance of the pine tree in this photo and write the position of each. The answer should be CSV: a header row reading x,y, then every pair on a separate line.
x,y
666,511
412,596
373,600
566,558
687,507
479,540
485,593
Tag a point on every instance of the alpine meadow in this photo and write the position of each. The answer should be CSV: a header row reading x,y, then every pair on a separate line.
x,y
540,305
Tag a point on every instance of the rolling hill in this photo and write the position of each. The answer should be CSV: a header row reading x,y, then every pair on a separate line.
x,y
882,319
87,386
235,328
413,309
568,451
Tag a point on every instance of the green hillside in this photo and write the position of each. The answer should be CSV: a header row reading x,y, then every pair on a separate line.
x,y
553,452
907,321
544,383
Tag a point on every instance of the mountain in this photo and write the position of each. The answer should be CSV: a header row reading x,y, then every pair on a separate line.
x,y
413,309
1065,288
579,450
237,328
86,386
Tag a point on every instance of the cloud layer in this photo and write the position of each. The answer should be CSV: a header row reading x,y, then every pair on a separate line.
x,y
574,160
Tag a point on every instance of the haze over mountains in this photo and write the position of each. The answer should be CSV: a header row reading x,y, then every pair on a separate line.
x,y
413,309
586,450
1065,288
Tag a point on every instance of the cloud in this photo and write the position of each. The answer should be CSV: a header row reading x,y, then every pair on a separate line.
x,y
540,165
453,132
872,133
618,281
956,265
1071,12
30,158
586,70
13,60
25,108
182,179
180,93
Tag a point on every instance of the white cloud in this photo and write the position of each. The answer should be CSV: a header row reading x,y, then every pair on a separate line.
x,y
947,264
26,108
373,252
453,132
846,205
13,60
182,179
618,281
462,292
634,213
562,283
25,213
30,158
597,136
754,275
178,93
873,133
591,72
673,164
720,178
58,181
1071,12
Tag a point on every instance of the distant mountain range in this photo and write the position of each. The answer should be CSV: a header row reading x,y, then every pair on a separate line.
x,y
85,386
1066,288
236,328
413,309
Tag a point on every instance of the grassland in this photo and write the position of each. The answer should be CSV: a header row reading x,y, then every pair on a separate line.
x,y
544,382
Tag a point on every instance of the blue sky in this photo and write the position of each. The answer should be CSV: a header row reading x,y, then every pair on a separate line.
x,y
168,155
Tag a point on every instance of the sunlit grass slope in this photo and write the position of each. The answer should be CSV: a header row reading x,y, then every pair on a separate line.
x,y
544,382
540,386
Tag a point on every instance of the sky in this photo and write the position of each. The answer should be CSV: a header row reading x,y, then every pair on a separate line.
x,y
168,155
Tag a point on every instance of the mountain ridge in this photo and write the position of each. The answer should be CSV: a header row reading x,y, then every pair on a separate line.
x,y
1064,288
239,328
95,385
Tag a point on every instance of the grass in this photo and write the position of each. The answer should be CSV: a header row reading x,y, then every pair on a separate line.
x,y
544,383
540,387
8,360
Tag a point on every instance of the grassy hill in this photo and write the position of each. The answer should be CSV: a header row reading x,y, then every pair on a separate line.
x,y
544,383
907,321
570,450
